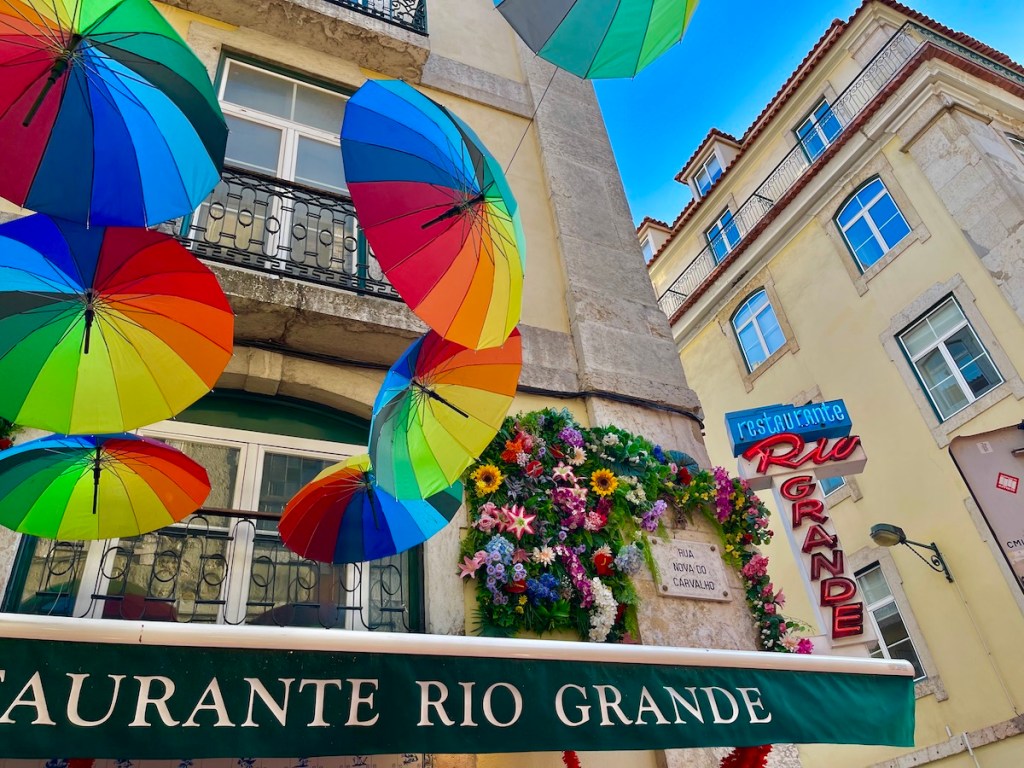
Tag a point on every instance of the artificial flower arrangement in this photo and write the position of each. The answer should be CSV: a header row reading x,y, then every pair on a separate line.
x,y
558,522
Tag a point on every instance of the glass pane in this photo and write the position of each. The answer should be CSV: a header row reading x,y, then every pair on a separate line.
x,y
259,90
703,182
859,233
648,250
253,146
319,109
319,164
919,338
945,390
54,577
973,361
832,484
872,584
752,346
283,477
870,252
813,144
714,169
905,652
770,329
846,215
747,312
221,464
945,318
870,192
894,230
830,125
890,624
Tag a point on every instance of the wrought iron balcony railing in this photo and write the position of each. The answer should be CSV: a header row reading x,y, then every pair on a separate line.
x,y
216,567
266,224
408,14
885,65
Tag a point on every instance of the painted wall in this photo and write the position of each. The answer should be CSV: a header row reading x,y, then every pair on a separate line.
x,y
910,480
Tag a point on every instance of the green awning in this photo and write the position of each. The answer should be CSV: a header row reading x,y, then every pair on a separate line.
x,y
110,689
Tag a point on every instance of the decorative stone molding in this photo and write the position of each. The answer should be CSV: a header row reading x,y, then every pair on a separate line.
x,y
957,745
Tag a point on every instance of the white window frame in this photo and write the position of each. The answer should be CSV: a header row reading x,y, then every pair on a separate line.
x,y
757,328
705,171
723,226
252,447
864,213
870,609
1017,143
815,125
291,131
647,246
948,358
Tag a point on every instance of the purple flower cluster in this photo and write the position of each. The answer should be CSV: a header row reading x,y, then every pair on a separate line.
x,y
649,522
544,588
499,556
723,484
578,574
571,437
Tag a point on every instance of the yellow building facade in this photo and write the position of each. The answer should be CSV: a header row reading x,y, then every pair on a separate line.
x,y
862,241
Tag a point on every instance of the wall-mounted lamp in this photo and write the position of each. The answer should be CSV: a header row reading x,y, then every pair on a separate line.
x,y
886,535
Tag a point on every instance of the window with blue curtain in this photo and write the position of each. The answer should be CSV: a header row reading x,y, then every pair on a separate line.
x,y
757,329
871,223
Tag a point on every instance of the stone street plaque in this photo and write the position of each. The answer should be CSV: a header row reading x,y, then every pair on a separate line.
x,y
690,569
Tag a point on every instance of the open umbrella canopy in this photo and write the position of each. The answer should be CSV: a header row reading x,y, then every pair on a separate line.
x,y
97,487
599,38
106,115
340,517
438,212
439,407
104,329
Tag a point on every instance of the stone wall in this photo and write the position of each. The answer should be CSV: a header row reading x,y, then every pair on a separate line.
x,y
980,179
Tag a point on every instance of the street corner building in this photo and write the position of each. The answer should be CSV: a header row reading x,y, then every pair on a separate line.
x,y
855,257
172,633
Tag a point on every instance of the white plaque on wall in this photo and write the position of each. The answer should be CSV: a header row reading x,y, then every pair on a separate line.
x,y
690,569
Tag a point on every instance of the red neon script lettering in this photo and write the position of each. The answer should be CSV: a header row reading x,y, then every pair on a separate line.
x,y
787,450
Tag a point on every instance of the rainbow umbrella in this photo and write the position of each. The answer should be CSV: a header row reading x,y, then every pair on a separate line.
x,y
340,517
599,38
437,211
439,407
106,115
104,329
97,487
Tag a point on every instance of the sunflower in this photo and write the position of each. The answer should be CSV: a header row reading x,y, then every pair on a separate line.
x,y
488,479
604,482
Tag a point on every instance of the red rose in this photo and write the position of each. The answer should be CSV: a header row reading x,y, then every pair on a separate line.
x,y
534,469
515,587
684,476
603,564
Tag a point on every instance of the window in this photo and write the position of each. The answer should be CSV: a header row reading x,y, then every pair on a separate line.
x,y
1017,143
282,127
226,564
949,359
871,223
893,638
709,173
757,329
648,248
723,236
830,485
818,131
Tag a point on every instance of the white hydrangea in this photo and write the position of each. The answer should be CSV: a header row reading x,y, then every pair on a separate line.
x,y
611,439
602,614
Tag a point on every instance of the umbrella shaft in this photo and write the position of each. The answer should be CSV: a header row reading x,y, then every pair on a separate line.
x,y
455,210
90,314
434,396
60,66
96,470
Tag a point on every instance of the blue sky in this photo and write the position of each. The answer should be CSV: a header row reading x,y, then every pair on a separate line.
x,y
736,55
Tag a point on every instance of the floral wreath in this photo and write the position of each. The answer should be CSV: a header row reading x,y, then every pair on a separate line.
x,y
559,520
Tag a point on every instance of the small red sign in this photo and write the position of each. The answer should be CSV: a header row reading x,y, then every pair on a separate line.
x,y
1007,483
